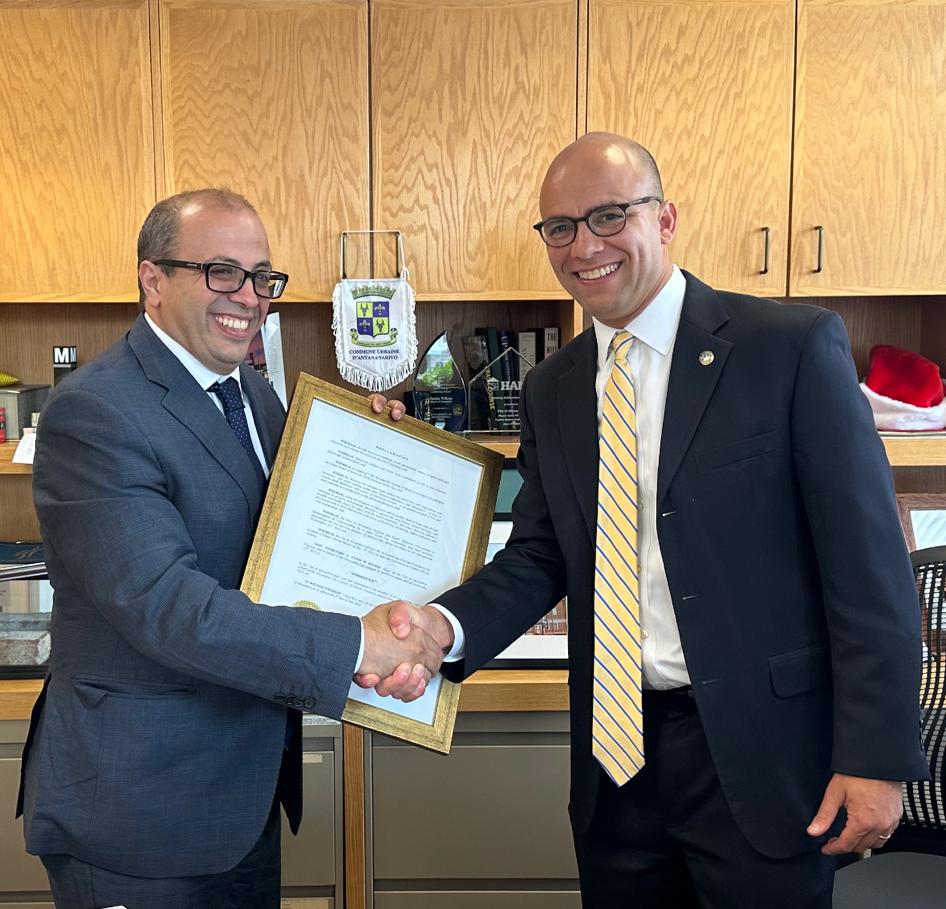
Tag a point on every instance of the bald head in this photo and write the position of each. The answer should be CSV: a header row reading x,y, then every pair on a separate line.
x,y
600,149
616,266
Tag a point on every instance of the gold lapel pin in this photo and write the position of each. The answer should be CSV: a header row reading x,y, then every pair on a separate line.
x,y
706,357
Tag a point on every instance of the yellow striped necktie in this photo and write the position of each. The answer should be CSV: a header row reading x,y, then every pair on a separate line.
x,y
617,723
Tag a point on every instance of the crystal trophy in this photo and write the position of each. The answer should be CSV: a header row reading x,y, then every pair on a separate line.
x,y
494,393
438,395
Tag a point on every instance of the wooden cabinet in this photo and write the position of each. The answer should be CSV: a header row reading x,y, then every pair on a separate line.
x,y
870,148
76,161
271,100
470,101
706,86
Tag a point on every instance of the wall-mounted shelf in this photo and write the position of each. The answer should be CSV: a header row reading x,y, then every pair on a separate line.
x,y
909,450
916,450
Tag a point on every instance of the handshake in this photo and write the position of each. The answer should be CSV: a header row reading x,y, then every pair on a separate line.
x,y
404,647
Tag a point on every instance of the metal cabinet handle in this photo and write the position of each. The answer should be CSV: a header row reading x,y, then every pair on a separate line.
x,y
820,264
767,242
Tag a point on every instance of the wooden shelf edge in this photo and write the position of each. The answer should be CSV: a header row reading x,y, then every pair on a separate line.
x,y
515,690
915,450
17,697
489,690
7,467
507,446
909,451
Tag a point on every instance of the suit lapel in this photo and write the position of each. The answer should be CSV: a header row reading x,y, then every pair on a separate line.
x,y
692,380
191,406
578,426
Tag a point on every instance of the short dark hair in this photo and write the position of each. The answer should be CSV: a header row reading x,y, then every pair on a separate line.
x,y
157,238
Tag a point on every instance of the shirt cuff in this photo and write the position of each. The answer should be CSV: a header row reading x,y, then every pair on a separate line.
x,y
361,647
459,638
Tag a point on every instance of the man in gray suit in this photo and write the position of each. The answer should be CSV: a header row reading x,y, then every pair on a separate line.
x,y
165,736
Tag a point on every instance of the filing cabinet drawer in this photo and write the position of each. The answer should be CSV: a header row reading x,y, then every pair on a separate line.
x,y
308,860
18,869
485,811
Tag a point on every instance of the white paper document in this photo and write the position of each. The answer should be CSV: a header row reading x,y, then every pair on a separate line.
x,y
367,522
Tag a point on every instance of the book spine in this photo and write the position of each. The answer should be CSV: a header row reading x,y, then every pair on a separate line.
x,y
527,351
550,341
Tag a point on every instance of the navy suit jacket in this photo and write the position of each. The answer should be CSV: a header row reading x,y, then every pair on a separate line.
x,y
778,528
156,746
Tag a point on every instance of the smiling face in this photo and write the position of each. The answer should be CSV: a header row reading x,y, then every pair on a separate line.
x,y
216,328
613,278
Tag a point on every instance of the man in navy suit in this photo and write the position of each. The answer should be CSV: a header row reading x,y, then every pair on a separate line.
x,y
778,616
165,737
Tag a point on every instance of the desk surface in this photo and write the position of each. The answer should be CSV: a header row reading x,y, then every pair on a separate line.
x,y
491,690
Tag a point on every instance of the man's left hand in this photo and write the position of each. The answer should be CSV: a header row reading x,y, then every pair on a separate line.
x,y
873,811
395,409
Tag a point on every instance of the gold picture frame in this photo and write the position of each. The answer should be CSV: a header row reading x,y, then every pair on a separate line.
x,y
347,426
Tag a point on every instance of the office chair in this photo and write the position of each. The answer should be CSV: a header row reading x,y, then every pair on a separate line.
x,y
910,872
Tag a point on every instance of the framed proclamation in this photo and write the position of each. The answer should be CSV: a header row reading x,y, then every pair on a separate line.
x,y
361,510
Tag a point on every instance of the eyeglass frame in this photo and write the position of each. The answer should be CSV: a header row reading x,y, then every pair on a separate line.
x,y
624,206
206,266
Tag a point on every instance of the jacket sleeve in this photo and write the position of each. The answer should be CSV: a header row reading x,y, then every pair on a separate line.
x,y
525,579
870,596
115,540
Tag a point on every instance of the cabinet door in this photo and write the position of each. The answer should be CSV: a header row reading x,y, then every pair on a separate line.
x,y
76,161
706,87
471,99
870,148
19,871
271,100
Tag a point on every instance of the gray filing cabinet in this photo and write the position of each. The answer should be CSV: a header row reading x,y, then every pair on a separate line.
x,y
485,827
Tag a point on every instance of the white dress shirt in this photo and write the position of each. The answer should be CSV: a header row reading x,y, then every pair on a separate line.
x,y
650,356
655,331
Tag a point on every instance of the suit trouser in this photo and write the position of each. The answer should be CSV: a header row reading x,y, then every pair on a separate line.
x,y
668,840
252,884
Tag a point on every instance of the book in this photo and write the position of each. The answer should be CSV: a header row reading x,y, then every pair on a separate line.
x,y
526,342
549,341
21,560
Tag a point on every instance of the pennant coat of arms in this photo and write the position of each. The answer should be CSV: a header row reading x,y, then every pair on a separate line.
x,y
375,332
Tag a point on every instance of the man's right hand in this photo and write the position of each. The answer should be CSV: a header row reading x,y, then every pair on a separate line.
x,y
407,681
405,655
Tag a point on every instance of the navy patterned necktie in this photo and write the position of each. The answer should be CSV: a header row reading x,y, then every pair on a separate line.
x,y
229,393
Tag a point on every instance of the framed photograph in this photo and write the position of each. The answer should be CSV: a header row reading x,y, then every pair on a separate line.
x,y
361,510
923,517
545,644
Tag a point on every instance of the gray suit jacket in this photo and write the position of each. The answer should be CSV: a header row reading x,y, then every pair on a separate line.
x,y
156,746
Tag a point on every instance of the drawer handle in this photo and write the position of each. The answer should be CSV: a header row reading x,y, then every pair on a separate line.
x,y
766,243
820,264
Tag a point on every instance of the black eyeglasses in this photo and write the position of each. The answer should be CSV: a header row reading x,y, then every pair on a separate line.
x,y
605,221
223,278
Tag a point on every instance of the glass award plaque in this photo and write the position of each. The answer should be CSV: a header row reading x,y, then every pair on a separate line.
x,y
439,394
494,394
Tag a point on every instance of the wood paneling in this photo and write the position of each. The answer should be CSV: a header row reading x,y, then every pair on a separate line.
x,y
29,333
271,100
471,99
870,147
706,87
76,163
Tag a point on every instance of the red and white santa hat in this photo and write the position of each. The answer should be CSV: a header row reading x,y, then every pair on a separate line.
x,y
905,390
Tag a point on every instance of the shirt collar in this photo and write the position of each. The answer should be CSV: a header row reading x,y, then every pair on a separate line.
x,y
202,375
655,326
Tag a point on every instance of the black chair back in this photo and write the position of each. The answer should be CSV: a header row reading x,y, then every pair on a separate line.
x,y
923,828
